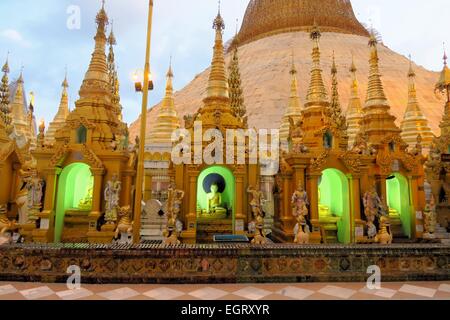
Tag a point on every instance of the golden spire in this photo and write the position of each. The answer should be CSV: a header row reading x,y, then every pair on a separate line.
x,y
96,79
112,72
294,108
235,86
167,120
375,91
414,122
335,104
377,122
4,90
17,105
354,110
168,102
443,86
62,114
218,83
316,93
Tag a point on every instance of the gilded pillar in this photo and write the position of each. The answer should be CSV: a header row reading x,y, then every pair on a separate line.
x,y
148,185
299,176
416,204
240,218
46,231
383,188
313,192
127,182
287,194
355,201
96,198
189,235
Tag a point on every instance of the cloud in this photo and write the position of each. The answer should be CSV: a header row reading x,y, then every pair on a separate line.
x,y
15,36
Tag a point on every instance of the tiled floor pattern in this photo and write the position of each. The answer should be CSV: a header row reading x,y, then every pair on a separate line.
x,y
307,291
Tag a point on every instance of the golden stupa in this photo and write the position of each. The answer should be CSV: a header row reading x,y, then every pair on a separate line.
x,y
271,30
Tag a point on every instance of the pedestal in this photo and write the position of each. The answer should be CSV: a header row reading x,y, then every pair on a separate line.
x,y
26,231
105,236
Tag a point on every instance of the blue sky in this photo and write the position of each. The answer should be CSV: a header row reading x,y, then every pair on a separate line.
x,y
36,34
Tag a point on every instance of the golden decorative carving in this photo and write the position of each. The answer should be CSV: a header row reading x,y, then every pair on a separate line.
x,y
60,155
317,164
352,161
384,162
92,159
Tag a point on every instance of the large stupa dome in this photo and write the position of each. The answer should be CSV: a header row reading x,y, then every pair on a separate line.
x,y
267,40
267,17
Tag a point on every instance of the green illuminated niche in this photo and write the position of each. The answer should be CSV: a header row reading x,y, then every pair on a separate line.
x,y
74,183
334,193
228,194
398,199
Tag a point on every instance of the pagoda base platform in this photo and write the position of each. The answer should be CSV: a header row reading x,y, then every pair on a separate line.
x,y
223,263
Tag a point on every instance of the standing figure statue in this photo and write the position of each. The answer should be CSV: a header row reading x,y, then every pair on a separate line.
x,y
112,197
5,224
22,206
34,192
376,208
258,214
300,202
372,204
174,202
300,211
430,217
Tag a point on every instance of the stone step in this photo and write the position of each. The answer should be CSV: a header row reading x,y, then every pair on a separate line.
x,y
441,235
151,232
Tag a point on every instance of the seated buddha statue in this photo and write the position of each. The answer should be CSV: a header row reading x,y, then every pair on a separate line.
x,y
324,211
86,202
215,202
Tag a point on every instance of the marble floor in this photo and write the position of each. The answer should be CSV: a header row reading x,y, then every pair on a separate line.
x,y
307,291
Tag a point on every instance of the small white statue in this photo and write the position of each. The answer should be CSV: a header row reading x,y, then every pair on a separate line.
x,y
430,216
29,199
300,211
112,197
300,202
258,214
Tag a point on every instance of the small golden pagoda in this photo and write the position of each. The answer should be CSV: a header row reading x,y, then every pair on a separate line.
x,y
60,118
354,110
335,178
294,109
12,159
90,151
396,170
414,123
216,198
159,144
438,164
22,117
316,156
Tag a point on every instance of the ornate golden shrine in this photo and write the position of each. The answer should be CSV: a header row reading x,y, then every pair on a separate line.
x,y
222,113
93,136
319,143
438,164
